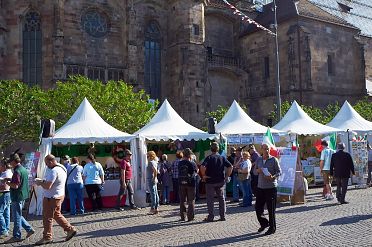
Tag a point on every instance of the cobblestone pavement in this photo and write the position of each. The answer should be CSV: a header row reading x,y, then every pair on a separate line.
x,y
316,223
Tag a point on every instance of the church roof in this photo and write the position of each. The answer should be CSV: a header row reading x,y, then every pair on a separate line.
x,y
288,9
355,12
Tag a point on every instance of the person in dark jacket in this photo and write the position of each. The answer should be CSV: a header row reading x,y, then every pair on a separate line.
x,y
341,166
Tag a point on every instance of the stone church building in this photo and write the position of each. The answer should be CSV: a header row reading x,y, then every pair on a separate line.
x,y
196,53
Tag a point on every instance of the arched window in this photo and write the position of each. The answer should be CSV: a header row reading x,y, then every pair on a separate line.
x,y
152,60
31,34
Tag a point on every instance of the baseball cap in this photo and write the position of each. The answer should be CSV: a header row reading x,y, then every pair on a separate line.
x,y
65,157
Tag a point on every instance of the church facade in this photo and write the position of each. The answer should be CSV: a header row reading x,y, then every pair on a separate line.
x,y
195,53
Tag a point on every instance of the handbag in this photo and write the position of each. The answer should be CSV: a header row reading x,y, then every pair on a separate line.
x,y
242,176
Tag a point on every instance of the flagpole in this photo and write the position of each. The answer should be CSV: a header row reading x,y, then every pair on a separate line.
x,y
278,97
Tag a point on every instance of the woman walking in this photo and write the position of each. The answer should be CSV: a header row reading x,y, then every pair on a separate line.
x,y
75,186
93,176
5,173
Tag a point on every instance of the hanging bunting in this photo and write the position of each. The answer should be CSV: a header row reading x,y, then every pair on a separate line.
x,y
244,17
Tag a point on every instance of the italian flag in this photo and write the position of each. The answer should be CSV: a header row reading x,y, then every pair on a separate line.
x,y
269,141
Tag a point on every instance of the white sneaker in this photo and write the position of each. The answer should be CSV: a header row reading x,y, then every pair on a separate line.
x,y
330,197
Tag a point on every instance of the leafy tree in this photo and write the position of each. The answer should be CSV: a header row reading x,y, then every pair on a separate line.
x,y
364,108
23,107
19,118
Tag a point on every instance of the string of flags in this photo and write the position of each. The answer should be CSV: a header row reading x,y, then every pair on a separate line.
x,y
245,18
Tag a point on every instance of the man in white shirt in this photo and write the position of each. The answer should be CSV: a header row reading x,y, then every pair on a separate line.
x,y
54,193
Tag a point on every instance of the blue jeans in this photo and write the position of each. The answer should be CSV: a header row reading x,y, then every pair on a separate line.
x,y
235,187
247,192
154,195
76,195
18,219
165,194
4,213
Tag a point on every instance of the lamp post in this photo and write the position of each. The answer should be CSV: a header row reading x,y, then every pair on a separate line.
x,y
278,97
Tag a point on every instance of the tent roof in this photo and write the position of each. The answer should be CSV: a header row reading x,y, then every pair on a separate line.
x,y
348,118
298,122
236,121
87,126
168,125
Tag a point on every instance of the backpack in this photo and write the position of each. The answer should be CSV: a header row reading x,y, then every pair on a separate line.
x,y
186,174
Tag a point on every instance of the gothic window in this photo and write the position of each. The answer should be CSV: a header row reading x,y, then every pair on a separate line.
x,y
152,60
95,23
266,67
32,54
331,64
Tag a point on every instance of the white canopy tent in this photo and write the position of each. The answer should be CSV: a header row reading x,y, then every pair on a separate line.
x,y
348,119
296,121
84,126
164,126
237,122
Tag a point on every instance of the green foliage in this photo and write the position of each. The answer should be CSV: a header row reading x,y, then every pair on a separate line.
x,y
19,118
364,108
21,107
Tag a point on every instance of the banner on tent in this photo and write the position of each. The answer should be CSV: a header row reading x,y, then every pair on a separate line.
x,y
287,161
245,139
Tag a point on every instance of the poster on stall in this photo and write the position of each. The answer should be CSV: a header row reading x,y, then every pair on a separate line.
x,y
360,158
30,163
287,162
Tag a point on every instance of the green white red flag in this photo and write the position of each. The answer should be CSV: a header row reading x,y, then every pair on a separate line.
x,y
268,139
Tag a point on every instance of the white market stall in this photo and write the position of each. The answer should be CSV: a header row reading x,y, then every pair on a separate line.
x,y
239,128
85,126
166,125
348,120
296,122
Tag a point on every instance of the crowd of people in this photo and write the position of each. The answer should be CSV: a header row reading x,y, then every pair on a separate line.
x,y
251,173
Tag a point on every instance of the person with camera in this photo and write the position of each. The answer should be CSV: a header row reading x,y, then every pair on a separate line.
x,y
187,172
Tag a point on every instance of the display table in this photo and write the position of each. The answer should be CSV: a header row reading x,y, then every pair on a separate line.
x,y
109,195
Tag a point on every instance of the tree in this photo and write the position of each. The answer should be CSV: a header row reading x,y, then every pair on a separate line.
x,y
115,102
19,119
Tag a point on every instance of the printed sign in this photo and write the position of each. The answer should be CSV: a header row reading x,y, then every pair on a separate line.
x,y
30,163
287,161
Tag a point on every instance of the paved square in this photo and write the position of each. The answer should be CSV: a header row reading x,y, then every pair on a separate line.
x,y
316,223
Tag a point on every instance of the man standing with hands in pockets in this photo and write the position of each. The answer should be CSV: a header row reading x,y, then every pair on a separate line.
x,y
268,170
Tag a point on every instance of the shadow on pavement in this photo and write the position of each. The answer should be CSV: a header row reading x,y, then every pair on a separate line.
x,y
230,240
304,208
347,220
138,229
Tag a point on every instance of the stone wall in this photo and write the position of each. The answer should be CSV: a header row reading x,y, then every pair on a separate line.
x,y
304,46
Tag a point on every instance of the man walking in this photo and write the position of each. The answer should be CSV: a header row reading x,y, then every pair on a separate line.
x,y
325,162
187,172
341,167
268,170
19,192
215,170
54,193
126,180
